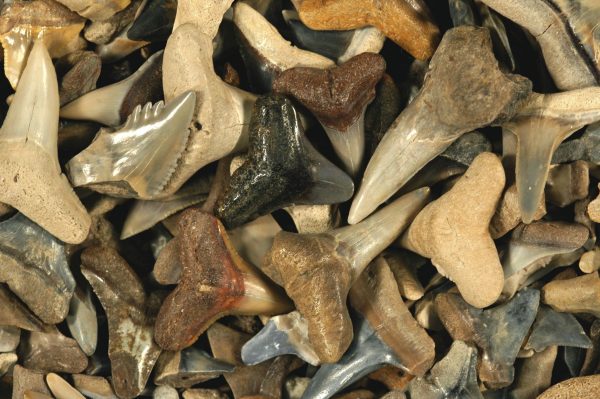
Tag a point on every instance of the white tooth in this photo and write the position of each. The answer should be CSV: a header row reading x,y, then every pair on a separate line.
x,y
61,389
206,18
103,105
30,175
364,40
350,144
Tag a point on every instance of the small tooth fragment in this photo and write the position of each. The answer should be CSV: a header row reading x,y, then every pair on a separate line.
x,y
464,90
466,148
381,112
585,148
535,374
30,178
508,214
7,362
51,351
102,31
9,336
392,377
265,52
167,268
16,314
22,22
112,104
491,20
310,219
36,268
83,73
498,331
165,392
590,261
93,387
462,12
282,335
82,321
575,295
365,40
61,389
282,168
317,270
188,367
552,328
407,23
119,47
367,353
155,22
454,376
338,97
376,296
436,171
199,393
453,232
213,285
593,209
131,346
96,10
578,387
27,380
403,265
36,395
591,361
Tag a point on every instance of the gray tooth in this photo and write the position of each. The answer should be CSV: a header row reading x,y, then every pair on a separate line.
x,y
36,268
585,148
52,351
461,12
82,321
188,367
573,358
554,328
9,337
366,354
467,147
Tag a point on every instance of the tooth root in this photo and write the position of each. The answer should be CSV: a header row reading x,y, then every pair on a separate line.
x,y
364,40
52,351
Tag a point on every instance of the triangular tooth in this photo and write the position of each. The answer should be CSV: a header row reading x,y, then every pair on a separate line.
x,y
544,332
82,321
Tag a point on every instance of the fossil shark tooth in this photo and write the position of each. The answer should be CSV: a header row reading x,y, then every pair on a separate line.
x,y
200,393
437,171
36,395
61,389
158,133
454,376
314,218
283,168
188,367
365,40
575,295
165,392
578,387
51,351
229,284
94,387
96,10
282,335
102,31
82,321
36,268
222,113
382,112
367,353
81,77
167,268
491,20
207,18
453,232
403,265
476,93
16,314
552,328
119,47
131,347
535,374
508,214
27,380
9,337
22,22
146,213
557,116
466,148
376,296
155,22
590,261
565,33
462,12
585,148
317,270
112,104
498,331
31,179
265,52
407,23
338,97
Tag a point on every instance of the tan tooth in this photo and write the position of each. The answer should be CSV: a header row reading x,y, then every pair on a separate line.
x,y
403,265
508,214
96,10
206,18
61,388
535,374
28,380
314,218
94,386
30,176
590,261
575,295
593,209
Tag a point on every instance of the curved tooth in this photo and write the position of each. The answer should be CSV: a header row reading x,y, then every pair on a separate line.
x,y
61,389
7,362
404,265
82,321
155,22
30,176
266,53
110,105
52,351
282,335
188,367
552,328
366,354
557,116
535,374
365,40
16,314
432,121
462,12
119,47
138,159
36,269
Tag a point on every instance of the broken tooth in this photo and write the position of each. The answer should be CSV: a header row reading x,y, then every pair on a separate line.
x,y
188,367
16,314
51,351
96,10
120,46
575,295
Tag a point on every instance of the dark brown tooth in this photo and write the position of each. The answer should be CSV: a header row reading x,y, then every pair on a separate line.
x,y
215,282
82,73
51,351
392,377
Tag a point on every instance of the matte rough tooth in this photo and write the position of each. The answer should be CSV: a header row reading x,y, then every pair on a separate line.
x,y
499,332
585,148
52,351
96,10
454,232
82,321
365,40
282,168
16,314
26,380
464,90
188,367
575,295
7,362
36,268
535,374
110,105
578,387
9,337
265,52
552,328
366,354
317,270
138,159
30,175
131,347
165,392
314,218
229,285
94,387
61,389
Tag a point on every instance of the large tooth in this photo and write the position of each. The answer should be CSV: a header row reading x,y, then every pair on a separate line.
x,y
338,97
266,53
51,351
557,116
317,270
96,10
283,168
30,176
220,282
222,114
41,20
464,89
552,328
15,314
82,321
110,105
188,367
139,159
36,268
454,232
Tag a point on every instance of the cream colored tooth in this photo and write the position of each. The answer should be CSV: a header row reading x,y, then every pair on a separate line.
x,y
30,175
314,218
365,40
206,18
104,105
349,145
96,10
61,389
222,115
590,261
94,386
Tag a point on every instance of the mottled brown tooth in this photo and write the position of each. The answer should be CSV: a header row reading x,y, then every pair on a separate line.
x,y
52,351
535,374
